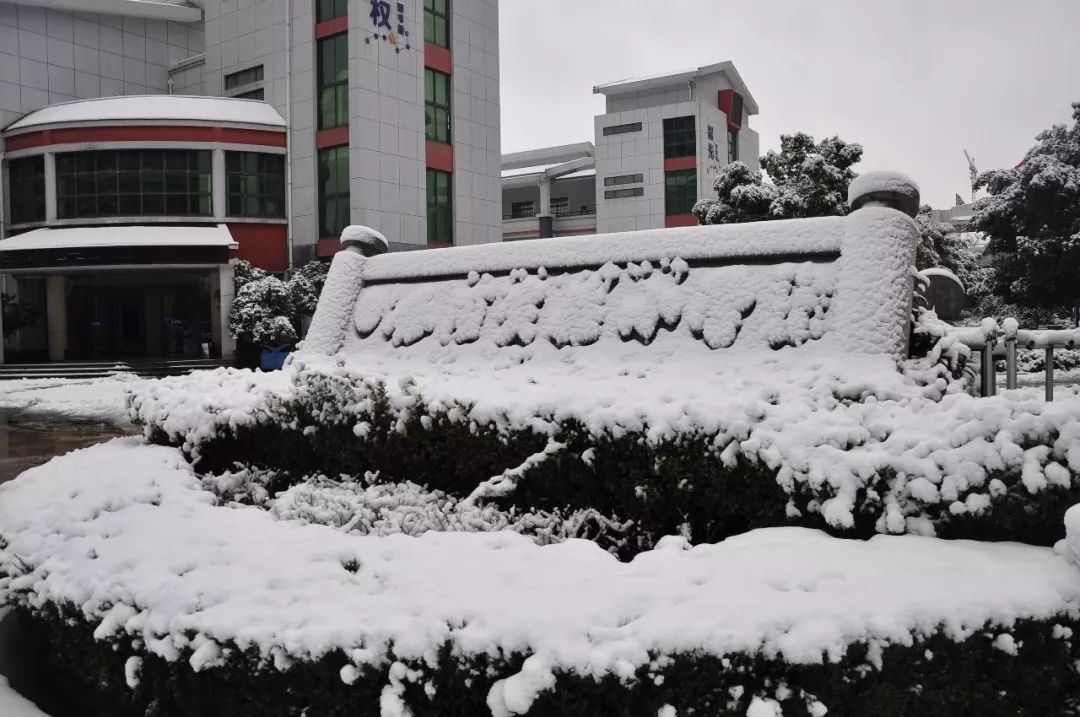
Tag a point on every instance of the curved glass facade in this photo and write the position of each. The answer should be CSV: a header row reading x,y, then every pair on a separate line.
x,y
133,182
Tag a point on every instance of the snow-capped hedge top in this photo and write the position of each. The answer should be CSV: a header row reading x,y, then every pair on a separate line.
x,y
842,282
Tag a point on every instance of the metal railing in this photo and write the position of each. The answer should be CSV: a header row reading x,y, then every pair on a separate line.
x,y
988,336
558,213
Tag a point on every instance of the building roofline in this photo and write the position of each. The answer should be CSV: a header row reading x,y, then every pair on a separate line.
x,y
56,116
640,84
187,11
547,155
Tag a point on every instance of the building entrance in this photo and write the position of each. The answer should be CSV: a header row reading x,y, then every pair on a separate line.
x,y
138,315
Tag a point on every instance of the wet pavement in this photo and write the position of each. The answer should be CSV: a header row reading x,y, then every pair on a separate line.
x,y
30,440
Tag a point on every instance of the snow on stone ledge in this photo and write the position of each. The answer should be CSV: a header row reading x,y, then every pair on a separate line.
x,y
898,189
179,565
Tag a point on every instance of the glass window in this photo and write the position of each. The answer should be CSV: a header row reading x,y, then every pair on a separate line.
x,y
624,179
521,210
259,94
333,92
243,77
437,105
334,211
437,22
622,128
732,145
679,137
736,109
624,193
255,184
680,191
440,211
329,9
560,206
133,182
26,180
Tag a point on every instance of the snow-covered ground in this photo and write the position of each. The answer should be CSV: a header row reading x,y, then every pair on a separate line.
x,y
94,399
12,704
187,573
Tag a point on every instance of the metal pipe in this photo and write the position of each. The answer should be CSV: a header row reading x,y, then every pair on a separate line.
x,y
1010,362
288,136
1049,373
989,381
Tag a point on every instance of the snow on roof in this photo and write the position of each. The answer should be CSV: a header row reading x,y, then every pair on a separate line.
x,y
152,108
638,84
113,236
176,10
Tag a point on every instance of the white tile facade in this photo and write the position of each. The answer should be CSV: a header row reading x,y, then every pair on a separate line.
x,y
49,56
478,207
387,162
642,152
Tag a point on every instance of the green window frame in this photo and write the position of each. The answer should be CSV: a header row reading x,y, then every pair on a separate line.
x,y
134,182
440,207
332,56
732,145
334,206
437,22
437,105
330,9
255,185
680,137
680,191
26,181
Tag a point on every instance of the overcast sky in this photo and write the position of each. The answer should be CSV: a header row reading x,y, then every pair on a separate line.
x,y
914,81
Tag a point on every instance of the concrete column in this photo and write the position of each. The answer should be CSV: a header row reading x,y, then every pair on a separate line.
x,y
56,316
217,182
221,298
50,186
547,222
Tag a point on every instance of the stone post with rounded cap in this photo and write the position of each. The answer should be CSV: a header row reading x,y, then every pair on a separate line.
x,y
343,284
876,283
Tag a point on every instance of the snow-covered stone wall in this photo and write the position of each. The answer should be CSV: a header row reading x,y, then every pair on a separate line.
x,y
841,282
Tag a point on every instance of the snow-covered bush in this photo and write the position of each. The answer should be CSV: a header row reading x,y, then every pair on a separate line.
x,y
261,313
902,453
268,311
216,609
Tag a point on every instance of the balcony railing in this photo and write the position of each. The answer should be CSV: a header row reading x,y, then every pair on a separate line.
x,y
558,213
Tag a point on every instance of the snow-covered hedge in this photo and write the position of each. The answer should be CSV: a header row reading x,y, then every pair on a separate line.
x,y
754,442
160,599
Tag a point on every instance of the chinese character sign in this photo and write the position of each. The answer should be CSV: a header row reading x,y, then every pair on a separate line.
x,y
713,161
384,29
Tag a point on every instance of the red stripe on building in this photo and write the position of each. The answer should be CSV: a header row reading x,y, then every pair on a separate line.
x,y
264,245
332,137
440,156
438,58
674,164
331,27
152,133
328,246
680,220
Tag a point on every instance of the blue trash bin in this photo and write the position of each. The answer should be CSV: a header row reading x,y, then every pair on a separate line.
x,y
273,359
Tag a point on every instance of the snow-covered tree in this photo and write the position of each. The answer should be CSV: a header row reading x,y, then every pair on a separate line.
x,y
1032,218
268,311
809,179
942,245
262,313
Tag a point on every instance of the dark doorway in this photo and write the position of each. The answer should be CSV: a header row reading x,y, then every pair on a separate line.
x,y
138,315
